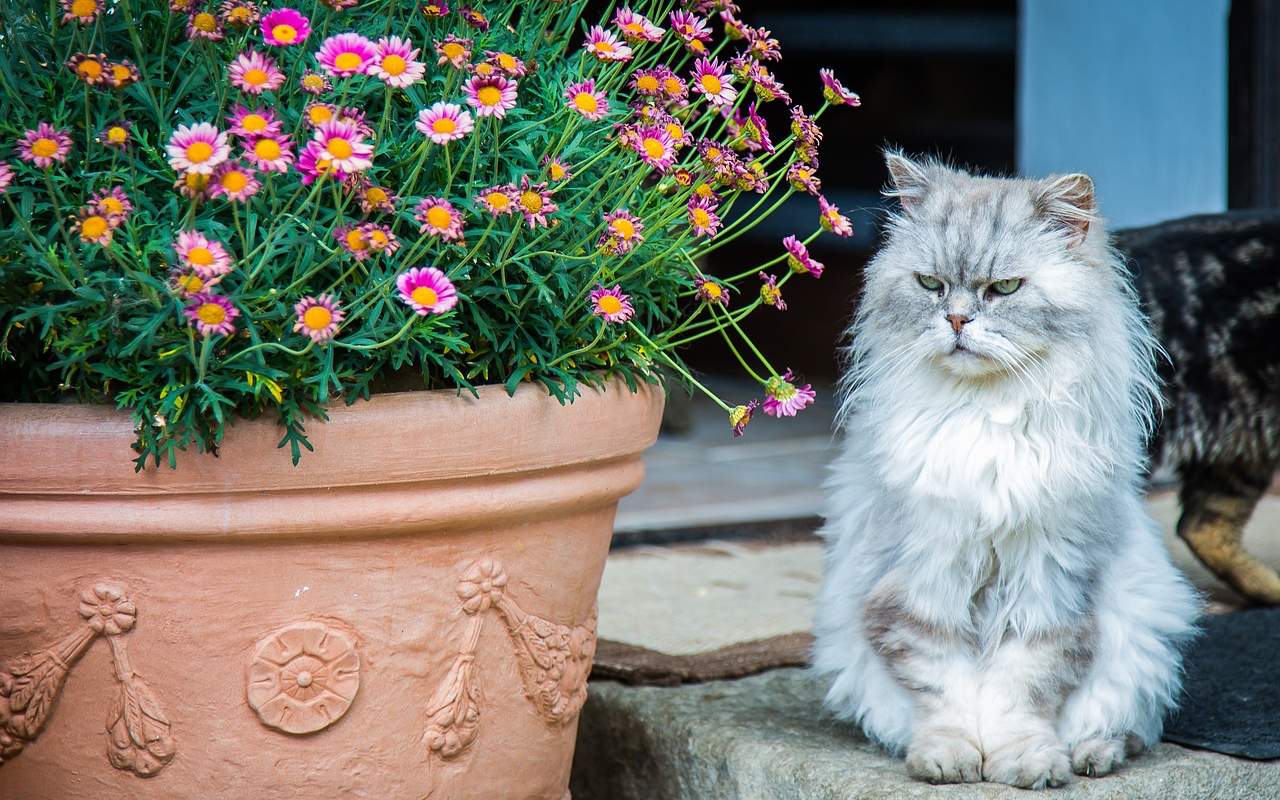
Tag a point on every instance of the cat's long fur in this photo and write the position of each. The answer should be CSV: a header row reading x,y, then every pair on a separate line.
x,y
997,604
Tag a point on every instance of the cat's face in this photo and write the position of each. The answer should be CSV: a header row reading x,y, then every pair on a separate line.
x,y
980,276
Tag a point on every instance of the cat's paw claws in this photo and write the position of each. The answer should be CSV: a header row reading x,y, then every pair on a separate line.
x,y
1036,761
1097,756
944,758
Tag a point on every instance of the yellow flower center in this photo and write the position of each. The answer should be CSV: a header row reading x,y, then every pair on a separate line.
x,y
205,21
425,296
111,205
199,152
624,228
609,304
712,290
317,318
89,69
356,240
452,50
116,134
394,65
44,147
704,190
83,8
439,218
375,194
586,102
489,96
378,239
444,125
239,15
675,131
532,201
557,172
190,283
339,147
498,200
348,61
653,147
284,33
195,181
313,82
319,114
254,123
647,83
604,47
506,61
697,46
121,73
701,217
713,153
211,314
711,84
93,227
234,181
671,86
256,77
484,70
634,28
200,256
267,149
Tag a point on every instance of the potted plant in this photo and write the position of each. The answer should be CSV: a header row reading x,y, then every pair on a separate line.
x,y
329,337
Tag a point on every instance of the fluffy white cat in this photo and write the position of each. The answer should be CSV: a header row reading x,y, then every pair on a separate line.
x,y
997,603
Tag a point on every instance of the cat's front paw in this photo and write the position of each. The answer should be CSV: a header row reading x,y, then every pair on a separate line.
x,y
1033,761
944,756
1097,756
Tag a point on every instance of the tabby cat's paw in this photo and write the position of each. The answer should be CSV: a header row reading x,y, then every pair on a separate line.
x,y
943,757
1097,756
1033,761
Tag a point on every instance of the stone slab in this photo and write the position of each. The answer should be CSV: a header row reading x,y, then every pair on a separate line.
x,y
766,737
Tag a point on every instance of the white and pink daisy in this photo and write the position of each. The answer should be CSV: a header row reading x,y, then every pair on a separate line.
x,y
396,62
202,255
611,304
197,148
444,122
313,164
831,220
6,176
343,145
438,217
711,81
255,73
655,147
491,97
691,29
498,200
284,27
249,123
799,260
269,153
636,27
211,314
622,232
318,317
233,181
453,50
44,145
834,92
588,101
426,290
535,202
606,46
703,217
346,54
782,398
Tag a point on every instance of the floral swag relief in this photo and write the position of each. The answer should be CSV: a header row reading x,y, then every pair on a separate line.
x,y
139,738
554,662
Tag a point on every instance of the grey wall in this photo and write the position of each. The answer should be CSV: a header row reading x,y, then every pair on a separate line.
x,y
1132,92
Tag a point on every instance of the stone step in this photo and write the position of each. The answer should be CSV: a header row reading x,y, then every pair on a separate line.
x,y
766,737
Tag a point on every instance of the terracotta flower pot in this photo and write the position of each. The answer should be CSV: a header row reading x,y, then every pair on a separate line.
x,y
410,612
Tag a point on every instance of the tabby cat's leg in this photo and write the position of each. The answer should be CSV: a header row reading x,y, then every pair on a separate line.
x,y
1217,501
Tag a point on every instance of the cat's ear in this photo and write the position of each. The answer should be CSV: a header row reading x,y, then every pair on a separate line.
x,y
1068,201
908,180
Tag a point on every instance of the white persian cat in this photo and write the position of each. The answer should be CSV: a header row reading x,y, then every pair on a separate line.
x,y
997,603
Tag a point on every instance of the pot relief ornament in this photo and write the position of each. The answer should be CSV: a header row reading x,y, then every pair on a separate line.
x,y
554,661
139,736
303,677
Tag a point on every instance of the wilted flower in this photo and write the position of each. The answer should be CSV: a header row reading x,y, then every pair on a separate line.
x,y
509,65
89,67
93,227
798,258
82,11
117,134
6,176
535,202
434,9
831,220
557,170
314,83
376,198
239,13
204,25
740,416
474,18
113,204
711,292
770,293
121,74
499,200
834,92
803,178
233,181
453,50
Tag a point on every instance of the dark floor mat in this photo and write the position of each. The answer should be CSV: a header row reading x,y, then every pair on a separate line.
x,y
1231,700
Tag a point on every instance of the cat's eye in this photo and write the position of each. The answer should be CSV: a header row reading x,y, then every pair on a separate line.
x,y
929,282
1006,286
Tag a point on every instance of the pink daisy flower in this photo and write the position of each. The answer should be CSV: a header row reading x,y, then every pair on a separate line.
x,y
439,218
396,62
834,92
188,284
192,185
498,200
269,153
803,178
93,227
711,292
831,220
318,316
380,237
344,146
82,11
255,73
6,176
535,202
782,398
284,27
770,292
691,28
239,13
117,134
740,417
647,82
622,232
766,86
248,123
655,147
211,314
510,65
453,50
673,86
233,181
354,240
426,290
314,83
204,25
444,122
611,304
435,9
313,163
584,98
197,148
89,67
44,145
474,18
756,131
121,74
202,255
798,258
376,198
113,204
346,54
710,81
491,97
557,170
635,27
605,46
703,217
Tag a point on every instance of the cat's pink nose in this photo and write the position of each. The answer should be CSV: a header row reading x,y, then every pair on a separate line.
x,y
958,321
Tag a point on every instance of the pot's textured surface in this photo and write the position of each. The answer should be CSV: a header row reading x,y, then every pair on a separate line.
x,y
408,613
